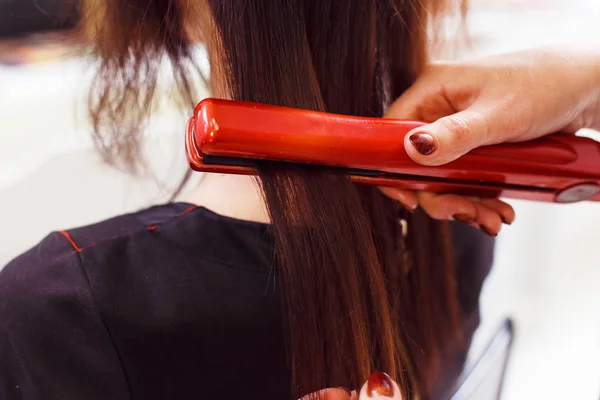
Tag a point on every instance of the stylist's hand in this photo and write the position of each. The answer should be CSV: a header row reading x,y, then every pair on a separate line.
x,y
507,98
378,387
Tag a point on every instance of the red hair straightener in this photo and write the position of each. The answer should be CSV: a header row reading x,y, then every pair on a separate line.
x,y
230,137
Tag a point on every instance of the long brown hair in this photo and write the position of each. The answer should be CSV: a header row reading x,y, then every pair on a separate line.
x,y
360,295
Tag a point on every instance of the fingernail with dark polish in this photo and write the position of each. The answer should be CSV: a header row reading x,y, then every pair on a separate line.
x,y
463,217
488,231
424,143
504,220
380,385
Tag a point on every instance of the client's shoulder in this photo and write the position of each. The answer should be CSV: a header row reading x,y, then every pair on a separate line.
x,y
124,228
68,244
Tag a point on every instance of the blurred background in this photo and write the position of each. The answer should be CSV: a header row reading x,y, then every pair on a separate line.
x,y
547,271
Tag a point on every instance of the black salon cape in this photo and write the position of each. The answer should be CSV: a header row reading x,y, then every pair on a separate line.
x,y
172,302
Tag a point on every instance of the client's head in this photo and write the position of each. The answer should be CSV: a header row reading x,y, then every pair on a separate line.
x,y
360,296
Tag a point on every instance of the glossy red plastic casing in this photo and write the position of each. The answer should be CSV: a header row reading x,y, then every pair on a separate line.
x,y
558,168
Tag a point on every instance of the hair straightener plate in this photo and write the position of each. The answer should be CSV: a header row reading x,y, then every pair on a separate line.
x,y
233,137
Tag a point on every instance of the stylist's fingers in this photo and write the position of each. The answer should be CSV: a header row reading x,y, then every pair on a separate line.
x,y
487,214
461,121
450,137
488,220
329,394
407,198
380,386
427,100
504,210
448,206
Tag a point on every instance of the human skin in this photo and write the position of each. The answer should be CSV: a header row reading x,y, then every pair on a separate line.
x,y
489,100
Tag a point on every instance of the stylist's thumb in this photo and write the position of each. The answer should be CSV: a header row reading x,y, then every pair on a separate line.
x,y
380,387
448,138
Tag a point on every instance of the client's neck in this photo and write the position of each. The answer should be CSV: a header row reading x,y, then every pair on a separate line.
x,y
235,196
